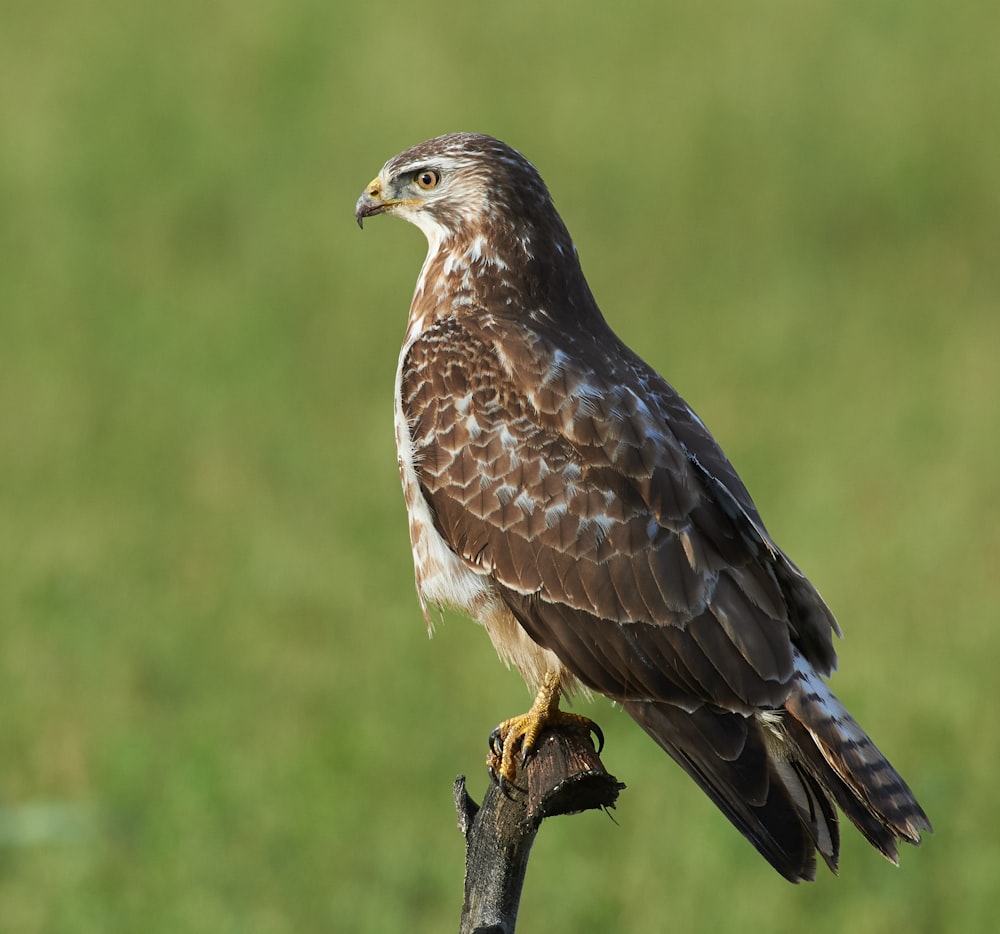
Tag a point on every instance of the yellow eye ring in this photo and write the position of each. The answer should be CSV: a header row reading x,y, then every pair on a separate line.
x,y
427,179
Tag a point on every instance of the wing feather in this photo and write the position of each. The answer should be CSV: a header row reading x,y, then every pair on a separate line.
x,y
640,562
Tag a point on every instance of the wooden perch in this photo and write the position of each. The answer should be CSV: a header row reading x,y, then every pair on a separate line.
x,y
564,775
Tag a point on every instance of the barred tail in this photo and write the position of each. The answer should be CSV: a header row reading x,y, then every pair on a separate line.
x,y
844,760
777,774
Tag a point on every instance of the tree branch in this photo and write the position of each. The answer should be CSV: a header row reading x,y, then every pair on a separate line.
x,y
564,775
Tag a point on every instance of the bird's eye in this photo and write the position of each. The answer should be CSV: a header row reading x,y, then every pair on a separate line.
x,y
427,179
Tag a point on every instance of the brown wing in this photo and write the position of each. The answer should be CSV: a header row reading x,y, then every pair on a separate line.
x,y
610,521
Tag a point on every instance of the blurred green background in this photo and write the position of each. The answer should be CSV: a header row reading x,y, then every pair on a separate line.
x,y
219,709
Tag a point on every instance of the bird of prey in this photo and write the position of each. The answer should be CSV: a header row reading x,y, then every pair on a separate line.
x,y
563,494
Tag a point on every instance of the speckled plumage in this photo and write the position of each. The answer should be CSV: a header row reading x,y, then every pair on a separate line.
x,y
564,495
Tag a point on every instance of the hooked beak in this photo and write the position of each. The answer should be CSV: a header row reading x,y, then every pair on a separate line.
x,y
370,202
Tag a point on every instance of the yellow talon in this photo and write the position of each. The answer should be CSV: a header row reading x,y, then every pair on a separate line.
x,y
518,736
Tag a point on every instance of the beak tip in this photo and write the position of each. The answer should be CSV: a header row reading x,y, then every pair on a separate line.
x,y
367,206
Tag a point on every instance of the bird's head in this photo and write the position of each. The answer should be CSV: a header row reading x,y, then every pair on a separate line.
x,y
455,184
494,236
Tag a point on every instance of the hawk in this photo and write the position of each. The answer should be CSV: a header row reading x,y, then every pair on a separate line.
x,y
561,493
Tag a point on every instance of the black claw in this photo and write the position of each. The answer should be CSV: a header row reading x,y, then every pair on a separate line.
x,y
496,741
596,730
501,780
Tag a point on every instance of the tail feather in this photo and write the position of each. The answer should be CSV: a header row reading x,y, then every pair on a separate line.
x,y
863,782
871,827
777,775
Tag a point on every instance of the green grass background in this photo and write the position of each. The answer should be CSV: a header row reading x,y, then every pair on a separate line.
x,y
219,710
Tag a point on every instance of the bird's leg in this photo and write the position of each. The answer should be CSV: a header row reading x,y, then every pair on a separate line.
x,y
516,738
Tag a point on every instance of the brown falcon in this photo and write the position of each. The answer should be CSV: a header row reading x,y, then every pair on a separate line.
x,y
564,495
